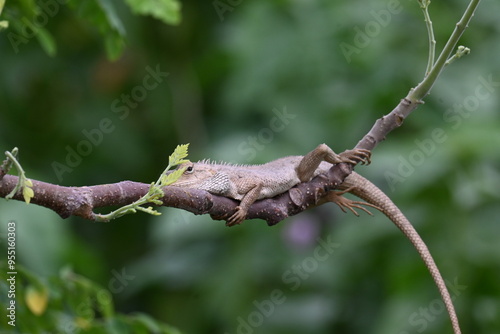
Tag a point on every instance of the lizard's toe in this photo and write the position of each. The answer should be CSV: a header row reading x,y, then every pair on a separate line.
x,y
237,217
364,156
356,156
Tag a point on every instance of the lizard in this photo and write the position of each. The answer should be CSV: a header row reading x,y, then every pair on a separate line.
x,y
249,183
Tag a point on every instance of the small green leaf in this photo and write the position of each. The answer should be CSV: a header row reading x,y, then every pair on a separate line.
x,y
177,157
46,41
168,11
28,194
170,178
23,183
104,302
114,44
149,210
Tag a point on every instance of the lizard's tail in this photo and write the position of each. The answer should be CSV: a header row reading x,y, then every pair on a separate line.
x,y
364,189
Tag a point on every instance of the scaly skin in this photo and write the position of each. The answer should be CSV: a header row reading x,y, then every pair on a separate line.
x,y
364,189
249,183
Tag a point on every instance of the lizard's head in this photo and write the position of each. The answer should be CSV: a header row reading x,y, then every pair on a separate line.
x,y
194,175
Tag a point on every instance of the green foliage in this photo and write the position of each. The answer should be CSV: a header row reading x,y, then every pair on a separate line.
x,y
167,11
29,20
21,17
3,24
176,158
155,191
67,303
101,14
24,184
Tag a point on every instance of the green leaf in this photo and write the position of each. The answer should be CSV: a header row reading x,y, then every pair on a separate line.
x,y
46,41
168,11
28,194
114,45
170,178
101,15
23,183
28,183
4,25
29,8
177,157
150,210
71,303
104,301
113,41
112,16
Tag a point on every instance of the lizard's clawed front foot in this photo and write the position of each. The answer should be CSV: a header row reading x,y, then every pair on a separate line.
x,y
358,155
237,217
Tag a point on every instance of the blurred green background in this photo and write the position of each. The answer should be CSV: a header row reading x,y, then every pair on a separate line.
x,y
251,82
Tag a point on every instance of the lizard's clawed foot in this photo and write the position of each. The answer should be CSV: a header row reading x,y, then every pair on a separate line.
x,y
345,203
358,155
237,217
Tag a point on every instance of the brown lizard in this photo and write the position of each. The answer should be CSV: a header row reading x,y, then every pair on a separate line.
x,y
248,183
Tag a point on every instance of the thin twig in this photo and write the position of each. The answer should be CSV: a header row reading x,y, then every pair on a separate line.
x,y
418,93
424,4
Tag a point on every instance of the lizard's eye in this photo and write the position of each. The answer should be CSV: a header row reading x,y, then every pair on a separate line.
x,y
189,169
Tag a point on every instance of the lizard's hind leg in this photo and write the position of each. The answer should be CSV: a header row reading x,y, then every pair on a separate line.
x,y
310,162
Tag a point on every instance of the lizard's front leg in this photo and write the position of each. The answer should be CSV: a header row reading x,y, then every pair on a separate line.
x,y
310,162
242,209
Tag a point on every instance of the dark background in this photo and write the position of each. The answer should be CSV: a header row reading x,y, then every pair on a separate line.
x,y
228,78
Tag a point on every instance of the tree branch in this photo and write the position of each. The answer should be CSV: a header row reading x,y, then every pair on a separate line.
x,y
82,201
415,96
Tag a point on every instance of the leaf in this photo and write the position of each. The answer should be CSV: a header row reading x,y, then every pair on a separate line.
x,y
113,40
3,24
147,321
104,302
177,157
150,210
170,178
112,16
114,45
101,14
28,194
168,11
46,41
36,299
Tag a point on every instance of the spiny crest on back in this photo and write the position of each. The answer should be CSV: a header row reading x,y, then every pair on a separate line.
x,y
221,163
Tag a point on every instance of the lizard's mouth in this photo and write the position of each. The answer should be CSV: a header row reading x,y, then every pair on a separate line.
x,y
184,184
192,181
